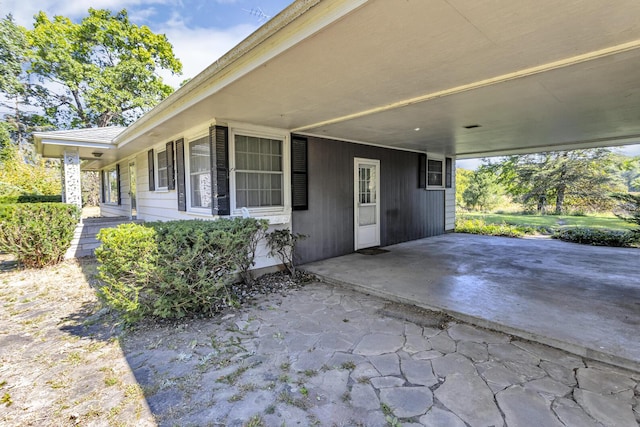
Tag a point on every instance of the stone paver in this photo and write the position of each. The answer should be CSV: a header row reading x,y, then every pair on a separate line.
x,y
526,408
323,355
469,397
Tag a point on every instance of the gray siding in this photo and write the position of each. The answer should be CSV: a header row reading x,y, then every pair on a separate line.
x,y
406,211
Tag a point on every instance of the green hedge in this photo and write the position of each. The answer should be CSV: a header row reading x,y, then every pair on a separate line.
x,y
31,198
177,268
38,234
597,236
478,226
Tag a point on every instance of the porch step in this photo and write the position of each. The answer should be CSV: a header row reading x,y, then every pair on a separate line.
x,y
84,240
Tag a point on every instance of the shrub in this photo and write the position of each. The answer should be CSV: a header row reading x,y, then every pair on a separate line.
x,y
128,257
173,269
478,226
31,198
38,234
197,260
282,243
595,236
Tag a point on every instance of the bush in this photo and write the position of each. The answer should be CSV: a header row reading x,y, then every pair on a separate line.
x,y
596,236
177,268
128,257
282,243
478,226
31,198
38,234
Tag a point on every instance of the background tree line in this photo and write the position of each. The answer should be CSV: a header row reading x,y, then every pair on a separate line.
x,y
551,182
101,71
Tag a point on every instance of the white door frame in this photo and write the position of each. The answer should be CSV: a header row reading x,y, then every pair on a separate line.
x,y
357,161
133,193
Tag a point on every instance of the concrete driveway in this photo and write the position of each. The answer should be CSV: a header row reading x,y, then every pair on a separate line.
x,y
582,299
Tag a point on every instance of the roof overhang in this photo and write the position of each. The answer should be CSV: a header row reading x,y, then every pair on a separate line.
x,y
95,146
460,77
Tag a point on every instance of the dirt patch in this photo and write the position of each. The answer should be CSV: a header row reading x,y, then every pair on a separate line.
x,y
60,358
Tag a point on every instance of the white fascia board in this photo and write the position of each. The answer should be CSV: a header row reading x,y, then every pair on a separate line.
x,y
77,143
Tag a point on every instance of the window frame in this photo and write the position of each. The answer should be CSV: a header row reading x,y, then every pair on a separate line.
x,y
107,185
160,188
442,172
260,132
187,171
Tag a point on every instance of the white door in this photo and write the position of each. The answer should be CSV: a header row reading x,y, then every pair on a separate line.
x,y
366,202
133,190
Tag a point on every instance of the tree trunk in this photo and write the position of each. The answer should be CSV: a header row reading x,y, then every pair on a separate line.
x,y
562,184
562,188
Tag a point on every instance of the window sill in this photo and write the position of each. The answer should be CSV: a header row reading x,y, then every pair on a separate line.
x,y
202,213
161,190
275,217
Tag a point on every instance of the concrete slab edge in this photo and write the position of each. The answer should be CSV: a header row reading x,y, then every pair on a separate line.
x,y
573,348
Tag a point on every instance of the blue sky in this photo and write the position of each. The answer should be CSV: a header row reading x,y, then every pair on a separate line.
x,y
200,30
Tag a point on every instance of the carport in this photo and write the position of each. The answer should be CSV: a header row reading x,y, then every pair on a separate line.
x,y
582,299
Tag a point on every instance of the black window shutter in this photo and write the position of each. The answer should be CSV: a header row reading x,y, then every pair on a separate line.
x,y
180,183
422,171
448,168
299,174
152,175
118,177
171,180
103,182
219,145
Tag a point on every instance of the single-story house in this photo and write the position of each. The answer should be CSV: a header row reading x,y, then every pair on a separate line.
x,y
342,119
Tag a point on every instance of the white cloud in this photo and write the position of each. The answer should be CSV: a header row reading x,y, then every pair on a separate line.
x,y
197,48
23,11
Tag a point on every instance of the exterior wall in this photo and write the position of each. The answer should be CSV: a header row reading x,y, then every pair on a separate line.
x,y
406,211
124,208
162,205
450,201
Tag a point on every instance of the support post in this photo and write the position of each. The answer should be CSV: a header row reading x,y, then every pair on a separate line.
x,y
72,192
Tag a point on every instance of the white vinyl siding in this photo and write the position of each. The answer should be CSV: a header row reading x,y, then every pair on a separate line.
x,y
450,200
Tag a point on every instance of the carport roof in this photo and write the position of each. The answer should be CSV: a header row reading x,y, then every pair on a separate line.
x,y
459,77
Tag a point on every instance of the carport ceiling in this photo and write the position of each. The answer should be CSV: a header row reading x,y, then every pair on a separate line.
x,y
533,75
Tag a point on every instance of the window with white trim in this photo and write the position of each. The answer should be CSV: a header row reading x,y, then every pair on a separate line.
x,y
111,186
163,177
259,177
200,173
434,173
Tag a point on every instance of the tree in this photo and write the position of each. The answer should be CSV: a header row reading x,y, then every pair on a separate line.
x,y
629,209
483,190
629,170
18,177
100,72
12,56
582,179
462,182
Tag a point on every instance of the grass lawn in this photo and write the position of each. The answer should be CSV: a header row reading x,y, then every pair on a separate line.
x,y
610,222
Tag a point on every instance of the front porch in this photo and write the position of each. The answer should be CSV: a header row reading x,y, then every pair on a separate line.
x,y
581,299
84,240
